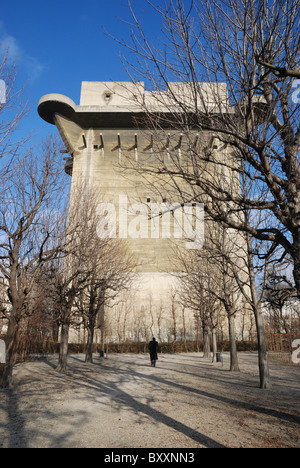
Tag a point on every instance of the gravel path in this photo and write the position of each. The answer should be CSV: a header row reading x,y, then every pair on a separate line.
x,y
121,402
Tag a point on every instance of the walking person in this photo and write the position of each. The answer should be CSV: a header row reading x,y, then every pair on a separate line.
x,y
153,347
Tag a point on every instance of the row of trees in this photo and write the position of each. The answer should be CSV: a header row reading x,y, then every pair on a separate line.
x,y
50,256
181,318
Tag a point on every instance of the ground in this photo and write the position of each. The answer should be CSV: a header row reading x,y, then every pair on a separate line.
x,y
122,402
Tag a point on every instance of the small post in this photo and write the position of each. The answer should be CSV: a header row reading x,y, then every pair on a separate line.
x,y
120,148
136,146
180,141
196,140
168,141
101,141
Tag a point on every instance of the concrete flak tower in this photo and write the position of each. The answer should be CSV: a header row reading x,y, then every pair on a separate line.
x,y
107,132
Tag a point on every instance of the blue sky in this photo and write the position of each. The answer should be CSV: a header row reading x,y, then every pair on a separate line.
x,y
59,44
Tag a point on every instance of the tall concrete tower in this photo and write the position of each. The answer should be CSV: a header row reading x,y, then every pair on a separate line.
x,y
101,136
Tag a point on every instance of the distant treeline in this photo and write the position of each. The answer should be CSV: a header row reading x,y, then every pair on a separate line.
x,y
27,349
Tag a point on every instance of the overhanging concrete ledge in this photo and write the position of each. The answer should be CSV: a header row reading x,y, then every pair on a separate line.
x,y
86,116
52,104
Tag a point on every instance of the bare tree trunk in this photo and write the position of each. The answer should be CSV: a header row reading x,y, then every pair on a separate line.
x,y
102,338
234,363
206,342
184,329
63,349
214,343
198,335
173,318
265,381
90,341
6,370
296,259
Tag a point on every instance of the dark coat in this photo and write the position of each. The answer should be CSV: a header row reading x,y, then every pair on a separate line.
x,y
153,347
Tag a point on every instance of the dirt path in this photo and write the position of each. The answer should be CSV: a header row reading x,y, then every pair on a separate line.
x,y
121,402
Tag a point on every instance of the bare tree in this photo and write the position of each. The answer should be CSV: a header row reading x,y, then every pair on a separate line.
x,y
142,326
111,271
254,301
13,108
93,271
151,313
252,118
183,310
194,294
208,279
173,329
160,316
73,268
196,285
66,287
226,291
32,232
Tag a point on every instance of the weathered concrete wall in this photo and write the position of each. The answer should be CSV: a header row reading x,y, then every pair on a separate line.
x,y
102,137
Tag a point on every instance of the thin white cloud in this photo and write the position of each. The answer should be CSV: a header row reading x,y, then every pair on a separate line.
x,y
32,66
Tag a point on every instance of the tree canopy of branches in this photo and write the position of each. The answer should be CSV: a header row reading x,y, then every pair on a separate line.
x,y
13,108
252,113
32,232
